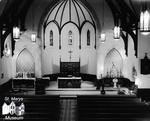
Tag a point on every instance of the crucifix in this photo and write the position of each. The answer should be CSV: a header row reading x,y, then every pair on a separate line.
x,y
70,52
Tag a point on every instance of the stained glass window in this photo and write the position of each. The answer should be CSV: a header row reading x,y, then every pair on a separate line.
x,y
51,38
88,37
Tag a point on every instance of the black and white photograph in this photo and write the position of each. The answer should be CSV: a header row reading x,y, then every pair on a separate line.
x,y
75,60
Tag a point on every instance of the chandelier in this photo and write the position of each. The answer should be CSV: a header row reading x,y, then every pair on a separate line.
x,y
103,35
33,34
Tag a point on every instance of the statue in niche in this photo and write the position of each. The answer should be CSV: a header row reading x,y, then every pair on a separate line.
x,y
121,73
134,73
114,71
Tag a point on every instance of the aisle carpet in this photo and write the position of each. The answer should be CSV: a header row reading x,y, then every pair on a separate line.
x,y
68,110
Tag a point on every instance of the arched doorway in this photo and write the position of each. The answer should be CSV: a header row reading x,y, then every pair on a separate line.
x,y
25,64
113,64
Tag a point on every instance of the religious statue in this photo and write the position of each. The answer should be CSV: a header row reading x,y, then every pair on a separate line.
x,y
134,73
113,72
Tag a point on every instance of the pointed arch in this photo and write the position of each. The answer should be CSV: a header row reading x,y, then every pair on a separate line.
x,y
25,62
113,64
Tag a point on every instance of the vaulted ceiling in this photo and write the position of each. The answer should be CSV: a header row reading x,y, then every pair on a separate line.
x,y
13,12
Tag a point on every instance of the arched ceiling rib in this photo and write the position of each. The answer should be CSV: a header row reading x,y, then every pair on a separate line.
x,y
70,10
128,11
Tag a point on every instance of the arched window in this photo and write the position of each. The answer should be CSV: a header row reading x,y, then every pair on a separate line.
x,y
51,38
70,37
88,38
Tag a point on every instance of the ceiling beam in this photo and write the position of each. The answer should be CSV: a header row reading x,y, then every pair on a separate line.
x,y
127,13
114,10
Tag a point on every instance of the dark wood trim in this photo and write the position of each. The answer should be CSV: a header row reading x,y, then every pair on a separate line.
x,y
80,9
88,12
70,22
79,27
3,38
95,39
144,94
57,24
69,10
63,13
51,7
60,40
125,39
77,13
1,41
57,10
44,17
5,87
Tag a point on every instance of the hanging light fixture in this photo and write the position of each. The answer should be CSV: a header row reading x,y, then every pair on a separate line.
x,y
117,32
33,34
117,28
16,33
103,35
145,20
33,37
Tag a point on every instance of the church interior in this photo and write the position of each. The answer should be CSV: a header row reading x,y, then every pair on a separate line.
x,y
75,60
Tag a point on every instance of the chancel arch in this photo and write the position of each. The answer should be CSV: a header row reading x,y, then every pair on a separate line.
x,y
113,65
25,62
65,17
67,46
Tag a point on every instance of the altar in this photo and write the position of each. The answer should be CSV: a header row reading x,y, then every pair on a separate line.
x,y
69,82
23,83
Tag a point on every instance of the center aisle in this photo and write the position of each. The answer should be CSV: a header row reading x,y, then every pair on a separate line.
x,y
68,109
